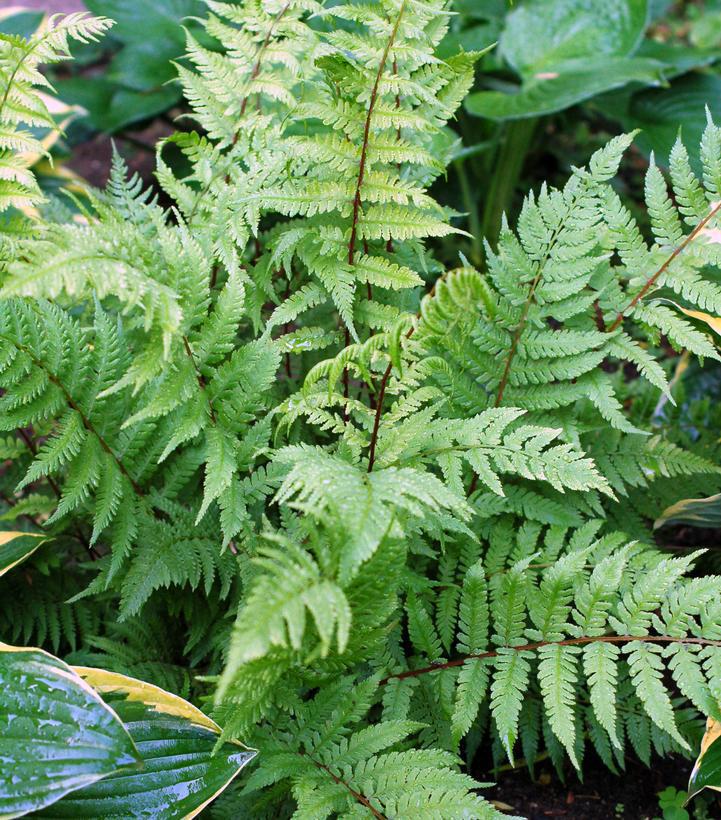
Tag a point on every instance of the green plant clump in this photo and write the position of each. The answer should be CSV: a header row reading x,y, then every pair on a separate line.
x,y
382,520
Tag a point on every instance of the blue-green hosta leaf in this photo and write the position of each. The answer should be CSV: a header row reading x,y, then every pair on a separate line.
x,y
111,106
706,28
475,38
152,36
542,33
706,772
678,59
660,113
15,547
182,769
567,51
56,733
19,21
563,85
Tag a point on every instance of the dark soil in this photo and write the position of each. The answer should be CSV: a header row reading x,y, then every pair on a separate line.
x,y
91,160
633,795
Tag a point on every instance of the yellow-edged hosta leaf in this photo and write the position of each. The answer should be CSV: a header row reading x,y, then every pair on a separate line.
x,y
56,732
63,114
714,322
15,547
184,769
107,683
11,11
706,772
700,512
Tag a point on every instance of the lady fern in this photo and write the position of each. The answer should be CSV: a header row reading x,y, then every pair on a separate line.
x,y
374,525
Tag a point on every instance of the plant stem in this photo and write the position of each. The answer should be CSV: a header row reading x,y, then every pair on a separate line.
x,y
362,799
357,199
199,377
516,339
530,647
474,220
676,252
515,143
85,420
377,418
366,136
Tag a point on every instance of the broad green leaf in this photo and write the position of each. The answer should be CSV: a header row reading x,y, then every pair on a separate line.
x,y
661,113
566,51
699,512
20,21
15,547
182,772
542,33
111,106
563,85
706,29
714,322
678,58
481,9
159,20
152,36
706,772
56,733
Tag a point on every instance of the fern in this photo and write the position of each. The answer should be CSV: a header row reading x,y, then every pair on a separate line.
x,y
371,527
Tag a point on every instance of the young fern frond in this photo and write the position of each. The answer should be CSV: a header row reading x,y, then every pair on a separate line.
x,y
382,97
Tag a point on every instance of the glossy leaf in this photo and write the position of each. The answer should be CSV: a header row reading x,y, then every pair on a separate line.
x,y
567,51
111,106
56,733
714,322
564,85
152,36
19,21
699,512
543,33
706,772
678,58
182,772
15,547
661,113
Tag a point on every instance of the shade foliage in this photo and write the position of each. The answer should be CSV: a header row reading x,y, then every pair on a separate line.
x,y
376,514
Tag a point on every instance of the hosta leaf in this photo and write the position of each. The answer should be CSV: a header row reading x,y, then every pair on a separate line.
x,y
661,112
714,322
544,32
567,51
182,770
56,733
15,547
700,512
706,772
564,85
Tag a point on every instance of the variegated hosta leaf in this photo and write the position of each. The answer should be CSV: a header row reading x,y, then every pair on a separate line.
x,y
56,733
15,547
706,772
182,769
699,512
